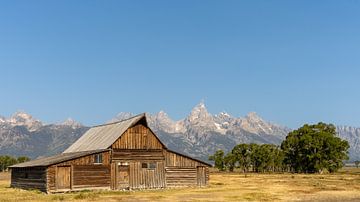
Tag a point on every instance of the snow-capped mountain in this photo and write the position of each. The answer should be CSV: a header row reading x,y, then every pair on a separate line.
x,y
200,122
204,133
200,126
121,116
71,123
162,121
199,134
24,119
224,120
21,134
2,119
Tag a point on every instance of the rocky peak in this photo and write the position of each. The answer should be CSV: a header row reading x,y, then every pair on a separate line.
x,y
199,113
71,123
253,117
24,119
224,121
2,119
20,117
124,115
162,116
200,121
161,121
224,117
255,124
121,116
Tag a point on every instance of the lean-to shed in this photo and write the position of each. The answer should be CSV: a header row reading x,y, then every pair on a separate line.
x,y
121,155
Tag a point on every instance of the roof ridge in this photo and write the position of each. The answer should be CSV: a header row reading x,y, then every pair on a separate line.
x,y
106,124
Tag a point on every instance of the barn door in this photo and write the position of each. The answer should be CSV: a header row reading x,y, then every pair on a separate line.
x,y
123,177
63,177
201,176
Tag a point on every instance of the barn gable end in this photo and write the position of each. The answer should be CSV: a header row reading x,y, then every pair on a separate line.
x,y
138,137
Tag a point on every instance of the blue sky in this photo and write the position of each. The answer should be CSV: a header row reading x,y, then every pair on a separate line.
x,y
292,62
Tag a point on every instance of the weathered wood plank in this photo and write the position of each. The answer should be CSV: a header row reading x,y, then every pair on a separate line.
x,y
138,137
179,176
29,178
177,160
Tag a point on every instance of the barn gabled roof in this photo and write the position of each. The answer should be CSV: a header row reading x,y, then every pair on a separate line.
x,y
58,158
103,136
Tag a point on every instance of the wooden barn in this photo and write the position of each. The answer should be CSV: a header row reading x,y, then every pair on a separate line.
x,y
120,155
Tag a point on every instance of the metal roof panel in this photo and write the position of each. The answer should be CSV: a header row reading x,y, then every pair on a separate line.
x,y
103,136
51,160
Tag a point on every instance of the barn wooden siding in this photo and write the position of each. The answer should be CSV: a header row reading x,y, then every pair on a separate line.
x,y
84,173
177,160
138,137
29,178
136,146
182,171
145,177
138,155
139,178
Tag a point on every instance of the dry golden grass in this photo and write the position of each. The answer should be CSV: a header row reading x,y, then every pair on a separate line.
x,y
343,186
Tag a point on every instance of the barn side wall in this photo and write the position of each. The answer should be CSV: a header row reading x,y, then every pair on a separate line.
x,y
29,178
182,171
85,174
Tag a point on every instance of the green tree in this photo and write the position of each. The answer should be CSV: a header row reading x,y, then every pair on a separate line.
x,y
278,159
22,159
264,158
268,155
242,153
230,161
6,161
218,158
313,148
253,150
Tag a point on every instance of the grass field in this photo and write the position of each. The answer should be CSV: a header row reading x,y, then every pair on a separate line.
x,y
342,186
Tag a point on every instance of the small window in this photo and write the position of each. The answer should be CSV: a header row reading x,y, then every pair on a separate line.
x,y
98,158
152,166
149,166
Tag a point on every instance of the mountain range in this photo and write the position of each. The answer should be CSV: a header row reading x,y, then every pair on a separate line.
x,y
199,134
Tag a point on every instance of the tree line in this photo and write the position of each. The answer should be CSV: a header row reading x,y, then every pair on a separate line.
x,y
309,149
6,161
250,157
